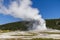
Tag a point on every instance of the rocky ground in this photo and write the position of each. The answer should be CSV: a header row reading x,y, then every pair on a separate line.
x,y
29,35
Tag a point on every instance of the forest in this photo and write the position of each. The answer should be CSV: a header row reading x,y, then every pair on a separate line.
x,y
24,25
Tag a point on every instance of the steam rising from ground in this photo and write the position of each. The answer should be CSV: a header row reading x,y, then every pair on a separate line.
x,y
22,9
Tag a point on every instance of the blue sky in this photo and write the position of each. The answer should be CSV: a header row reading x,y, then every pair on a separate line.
x,y
49,9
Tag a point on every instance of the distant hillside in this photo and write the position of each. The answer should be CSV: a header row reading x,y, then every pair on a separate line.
x,y
24,25
53,23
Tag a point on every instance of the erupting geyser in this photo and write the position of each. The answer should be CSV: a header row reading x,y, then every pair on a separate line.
x,y
22,9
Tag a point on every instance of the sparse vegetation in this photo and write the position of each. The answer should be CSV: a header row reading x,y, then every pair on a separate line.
x,y
51,32
44,39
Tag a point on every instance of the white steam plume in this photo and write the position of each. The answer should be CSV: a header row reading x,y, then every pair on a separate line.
x,y
23,10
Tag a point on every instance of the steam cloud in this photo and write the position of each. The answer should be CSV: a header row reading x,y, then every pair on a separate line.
x,y
22,9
